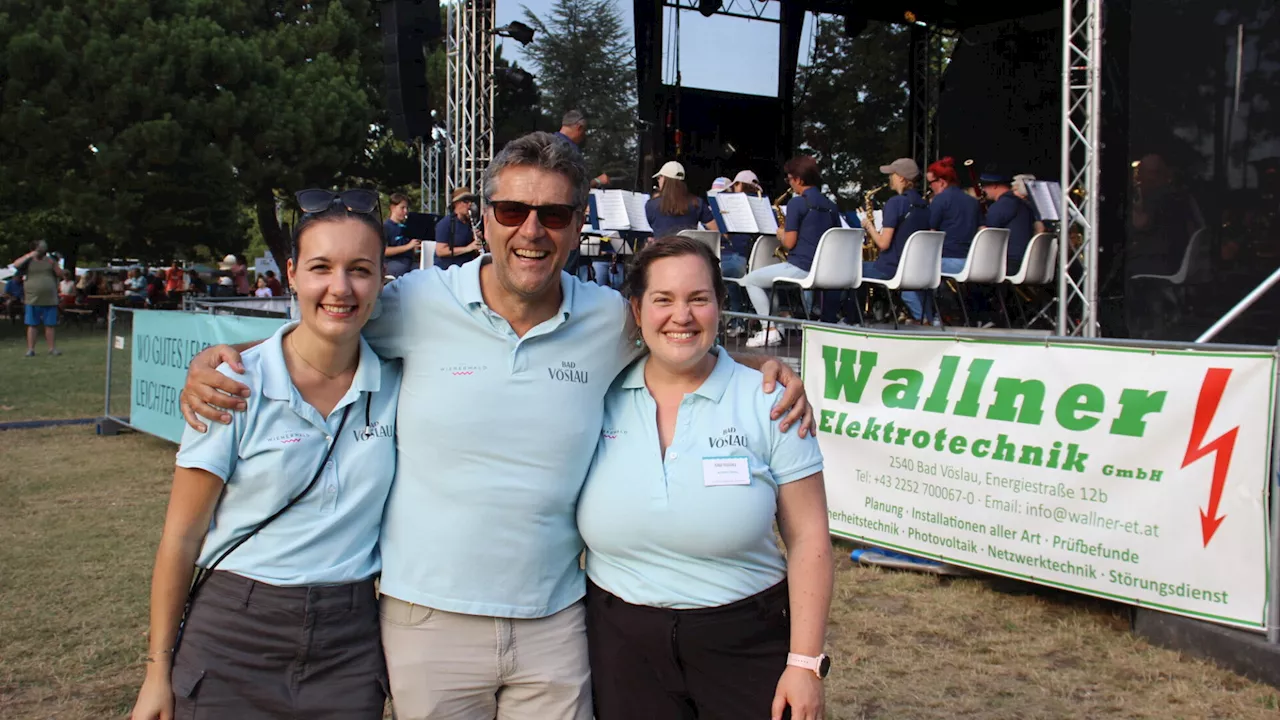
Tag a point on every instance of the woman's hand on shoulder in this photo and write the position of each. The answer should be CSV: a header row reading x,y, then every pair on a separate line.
x,y
793,404
155,699
210,394
798,689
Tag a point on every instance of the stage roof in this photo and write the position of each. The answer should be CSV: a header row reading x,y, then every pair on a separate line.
x,y
945,13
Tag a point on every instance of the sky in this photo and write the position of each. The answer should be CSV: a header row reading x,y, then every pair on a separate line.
x,y
716,53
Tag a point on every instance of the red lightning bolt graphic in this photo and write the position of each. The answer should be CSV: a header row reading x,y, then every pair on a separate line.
x,y
1215,382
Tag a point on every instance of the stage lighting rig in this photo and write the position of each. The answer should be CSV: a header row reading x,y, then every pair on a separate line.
x,y
517,31
708,7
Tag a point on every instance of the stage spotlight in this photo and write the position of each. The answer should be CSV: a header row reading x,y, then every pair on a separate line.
x,y
708,7
517,31
517,76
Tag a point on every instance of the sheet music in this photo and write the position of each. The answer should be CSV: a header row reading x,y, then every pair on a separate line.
x,y
878,215
593,211
634,203
613,210
766,221
739,217
1047,197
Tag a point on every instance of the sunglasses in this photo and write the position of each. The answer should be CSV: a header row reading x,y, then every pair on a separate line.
x,y
513,214
315,200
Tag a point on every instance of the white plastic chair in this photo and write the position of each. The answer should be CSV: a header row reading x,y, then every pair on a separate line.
x,y
710,238
761,256
1179,277
919,268
1039,266
984,264
837,263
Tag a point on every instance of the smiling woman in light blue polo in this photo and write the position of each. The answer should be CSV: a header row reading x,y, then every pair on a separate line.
x,y
692,611
286,503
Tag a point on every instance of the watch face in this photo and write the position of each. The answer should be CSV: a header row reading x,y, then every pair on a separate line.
x,y
824,666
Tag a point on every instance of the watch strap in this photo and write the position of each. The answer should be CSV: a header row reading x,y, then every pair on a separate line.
x,y
813,664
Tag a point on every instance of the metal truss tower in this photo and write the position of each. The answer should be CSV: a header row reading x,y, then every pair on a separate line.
x,y
429,152
924,78
469,113
1081,133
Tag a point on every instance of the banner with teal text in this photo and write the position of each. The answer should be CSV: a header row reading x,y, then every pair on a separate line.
x,y
1137,475
163,343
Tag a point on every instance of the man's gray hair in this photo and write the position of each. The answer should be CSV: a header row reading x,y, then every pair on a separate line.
x,y
1020,184
573,118
545,152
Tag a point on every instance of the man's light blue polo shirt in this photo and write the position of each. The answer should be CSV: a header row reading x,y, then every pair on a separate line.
x,y
498,433
657,533
269,453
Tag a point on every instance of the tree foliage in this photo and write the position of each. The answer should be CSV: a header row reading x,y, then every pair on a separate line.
x,y
583,62
851,110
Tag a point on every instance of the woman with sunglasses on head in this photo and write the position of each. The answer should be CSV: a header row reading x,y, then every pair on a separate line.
x,y
675,208
692,610
280,510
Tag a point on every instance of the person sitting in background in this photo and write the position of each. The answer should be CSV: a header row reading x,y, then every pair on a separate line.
x,y
455,241
400,252
261,288
173,279
904,214
956,214
1023,192
196,284
809,215
1007,211
116,285
67,287
136,286
676,208
690,601
734,250
273,282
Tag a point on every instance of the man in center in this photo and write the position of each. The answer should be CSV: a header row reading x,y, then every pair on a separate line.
x,y
507,361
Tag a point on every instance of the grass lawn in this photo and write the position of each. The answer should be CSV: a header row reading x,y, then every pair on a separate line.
x,y
69,386
77,540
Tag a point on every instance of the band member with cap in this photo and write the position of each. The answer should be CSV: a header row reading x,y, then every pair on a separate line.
x,y
400,250
904,214
735,248
809,215
956,214
676,208
1007,211
455,243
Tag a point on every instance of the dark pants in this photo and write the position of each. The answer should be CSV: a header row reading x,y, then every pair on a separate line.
x,y
252,650
719,663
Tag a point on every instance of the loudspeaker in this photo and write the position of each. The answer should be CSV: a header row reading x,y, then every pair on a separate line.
x,y
408,26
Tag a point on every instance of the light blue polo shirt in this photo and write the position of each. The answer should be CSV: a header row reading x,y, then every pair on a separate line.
x,y
269,453
498,433
680,532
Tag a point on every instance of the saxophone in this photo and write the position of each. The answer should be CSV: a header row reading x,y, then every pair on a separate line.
x,y
869,250
781,252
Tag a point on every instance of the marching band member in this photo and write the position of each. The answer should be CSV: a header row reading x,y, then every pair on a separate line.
x,y
455,244
1023,193
1007,211
956,214
904,214
735,248
809,215
675,208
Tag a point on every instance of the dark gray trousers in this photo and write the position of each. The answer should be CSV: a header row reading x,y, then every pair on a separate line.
x,y
254,651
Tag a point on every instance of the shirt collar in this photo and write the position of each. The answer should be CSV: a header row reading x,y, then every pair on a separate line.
x,y
277,385
712,388
470,294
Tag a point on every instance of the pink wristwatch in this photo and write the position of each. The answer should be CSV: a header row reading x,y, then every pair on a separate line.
x,y
821,665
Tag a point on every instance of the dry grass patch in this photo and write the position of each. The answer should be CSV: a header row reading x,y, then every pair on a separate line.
x,y
80,516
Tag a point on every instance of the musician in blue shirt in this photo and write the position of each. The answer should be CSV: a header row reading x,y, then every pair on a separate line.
x,y
455,244
400,253
735,249
952,211
809,215
904,214
676,208
1007,211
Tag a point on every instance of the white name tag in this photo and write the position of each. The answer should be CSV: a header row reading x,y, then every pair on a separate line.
x,y
725,471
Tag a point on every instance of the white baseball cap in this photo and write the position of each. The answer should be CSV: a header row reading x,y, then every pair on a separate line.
x,y
671,169
719,184
228,262
746,176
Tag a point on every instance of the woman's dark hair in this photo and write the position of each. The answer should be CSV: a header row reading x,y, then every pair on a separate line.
x,y
945,169
335,213
668,247
675,197
805,169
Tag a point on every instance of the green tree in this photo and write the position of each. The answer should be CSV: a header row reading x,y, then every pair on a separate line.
x,y
851,110
583,61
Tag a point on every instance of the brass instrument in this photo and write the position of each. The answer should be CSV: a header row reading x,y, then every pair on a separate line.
x,y
869,249
977,185
1137,182
781,252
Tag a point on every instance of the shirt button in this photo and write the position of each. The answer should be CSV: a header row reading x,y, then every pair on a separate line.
x,y
672,455
331,489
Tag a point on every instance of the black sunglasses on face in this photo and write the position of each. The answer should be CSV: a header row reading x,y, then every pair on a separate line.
x,y
315,200
513,214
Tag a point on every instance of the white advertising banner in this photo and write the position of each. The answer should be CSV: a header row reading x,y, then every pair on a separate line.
x,y
1133,474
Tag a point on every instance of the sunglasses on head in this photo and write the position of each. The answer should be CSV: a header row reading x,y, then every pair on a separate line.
x,y
315,200
513,214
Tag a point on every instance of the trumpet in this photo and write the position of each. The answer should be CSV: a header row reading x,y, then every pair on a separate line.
x,y
781,252
869,250
977,184
1137,182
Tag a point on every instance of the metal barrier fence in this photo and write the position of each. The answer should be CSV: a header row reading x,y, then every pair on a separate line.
x,y
248,306
117,399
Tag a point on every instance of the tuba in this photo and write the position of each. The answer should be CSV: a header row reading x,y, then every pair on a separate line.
x,y
781,252
869,250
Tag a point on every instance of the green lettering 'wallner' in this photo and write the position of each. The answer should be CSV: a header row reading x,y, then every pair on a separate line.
x,y
1020,400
